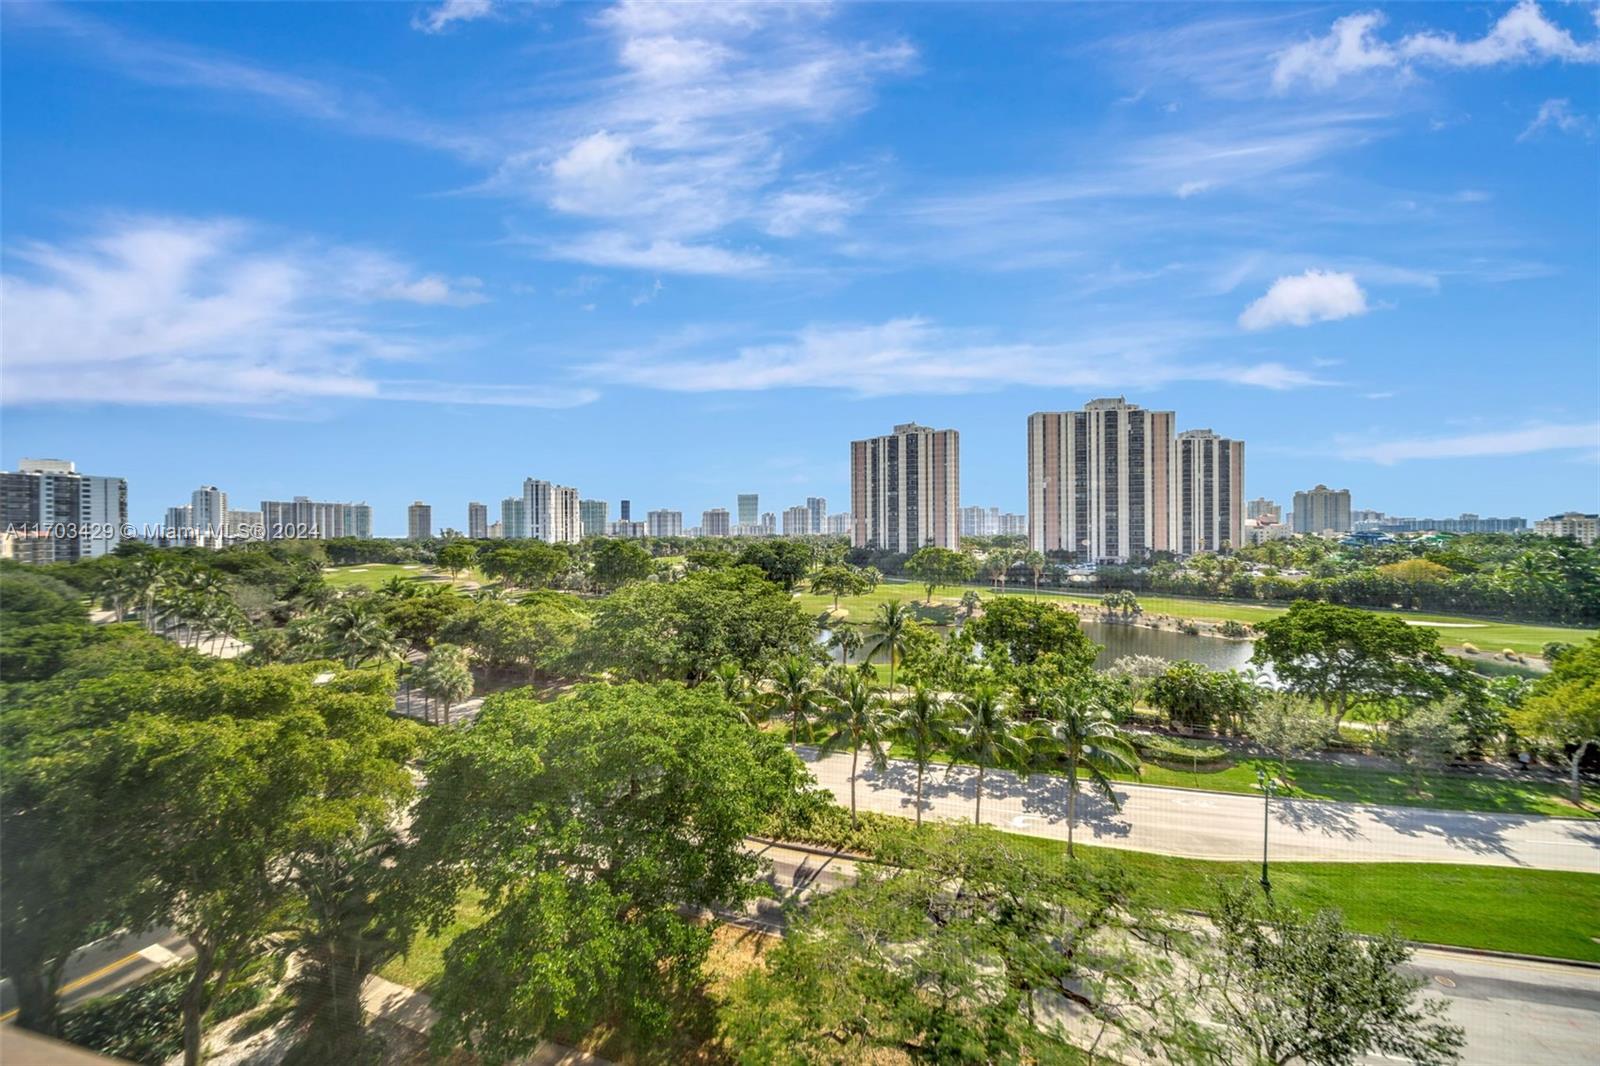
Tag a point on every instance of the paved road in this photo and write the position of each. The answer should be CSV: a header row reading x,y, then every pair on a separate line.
x,y
1513,1011
1215,825
108,965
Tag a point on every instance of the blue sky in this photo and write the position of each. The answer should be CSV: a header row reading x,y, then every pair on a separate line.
x,y
397,251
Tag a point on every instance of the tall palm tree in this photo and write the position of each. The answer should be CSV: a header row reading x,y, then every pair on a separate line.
x,y
445,677
970,602
795,694
353,632
1036,563
848,640
922,723
889,633
1077,728
736,688
859,720
990,735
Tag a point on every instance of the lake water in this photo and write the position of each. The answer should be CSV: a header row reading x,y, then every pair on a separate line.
x,y
1117,640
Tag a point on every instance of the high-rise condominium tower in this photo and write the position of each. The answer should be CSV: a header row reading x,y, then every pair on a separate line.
x,y
905,489
592,517
302,518
64,515
714,523
544,512
1098,480
419,521
817,509
749,508
1321,510
664,523
1207,492
477,521
797,522
208,511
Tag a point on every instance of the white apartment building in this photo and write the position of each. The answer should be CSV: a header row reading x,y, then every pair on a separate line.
x,y
546,512
477,521
1583,528
63,514
1098,481
592,517
419,521
1322,510
905,489
303,518
839,524
715,522
797,521
664,523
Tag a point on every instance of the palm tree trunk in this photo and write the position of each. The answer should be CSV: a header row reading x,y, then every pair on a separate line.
x,y
1072,804
855,754
1577,782
919,795
977,812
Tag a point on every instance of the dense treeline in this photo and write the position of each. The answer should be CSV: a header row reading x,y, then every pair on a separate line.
x,y
642,713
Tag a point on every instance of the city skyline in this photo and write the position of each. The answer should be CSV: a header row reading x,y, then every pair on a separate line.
x,y
507,281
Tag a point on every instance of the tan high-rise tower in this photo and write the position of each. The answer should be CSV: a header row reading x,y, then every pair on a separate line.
x,y
905,489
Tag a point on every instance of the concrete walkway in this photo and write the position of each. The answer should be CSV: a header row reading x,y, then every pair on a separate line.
x,y
410,1009
1216,825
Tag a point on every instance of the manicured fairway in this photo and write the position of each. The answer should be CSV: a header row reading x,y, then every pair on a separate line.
x,y
375,575
1487,634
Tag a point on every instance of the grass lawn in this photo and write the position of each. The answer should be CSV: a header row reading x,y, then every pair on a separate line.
x,y
1486,634
375,575
1539,912
425,961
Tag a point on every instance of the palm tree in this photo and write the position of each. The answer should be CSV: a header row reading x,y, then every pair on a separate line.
x,y
970,602
1035,562
848,640
356,634
989,735
922,722
795,694
1077,727
735,688
859,719
889,632
445,677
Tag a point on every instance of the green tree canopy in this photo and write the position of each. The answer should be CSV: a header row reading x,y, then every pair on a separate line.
x,y
1017,632
614,563
589,823
681,630
934,566
1562,713
1342,655
785,562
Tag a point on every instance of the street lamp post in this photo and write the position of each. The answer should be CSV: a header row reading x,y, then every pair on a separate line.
x,y
1266,819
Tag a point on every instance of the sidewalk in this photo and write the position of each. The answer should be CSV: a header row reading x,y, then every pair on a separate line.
x,y
410,1009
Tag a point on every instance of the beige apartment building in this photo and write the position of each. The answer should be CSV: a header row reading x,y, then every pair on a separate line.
x,y
1207,492
905,489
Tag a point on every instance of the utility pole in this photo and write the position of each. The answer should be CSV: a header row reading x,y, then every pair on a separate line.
x,y
1266,820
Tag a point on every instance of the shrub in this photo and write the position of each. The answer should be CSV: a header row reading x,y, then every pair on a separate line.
x,y
1191,629
1469,648
1234,629
143,1024
1162,748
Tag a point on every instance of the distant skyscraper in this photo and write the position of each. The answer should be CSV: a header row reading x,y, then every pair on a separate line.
x,y
797,521
209,512
905,489
714,523
1098,482
477,521
768,524
1207,492
839,524
66,515
305,519
245,525
419,521
550,512
1011,525
817,507
1261,507
592,517
1322,510
749,508
664,523
624,511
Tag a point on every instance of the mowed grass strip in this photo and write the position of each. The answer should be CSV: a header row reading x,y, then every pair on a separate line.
x,y
1534,912
376,575
1486,634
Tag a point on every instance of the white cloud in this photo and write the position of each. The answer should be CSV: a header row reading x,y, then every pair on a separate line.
x,y
1301,299
690,139
1558,115
1352,46
906,356
440,18
207,311
1488,445
614,248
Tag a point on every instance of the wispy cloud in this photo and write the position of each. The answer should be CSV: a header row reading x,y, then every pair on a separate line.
x,y
214,311
440,18
1558,115
1353,46
158,61
686,141
1492,444
1315,296
907,356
